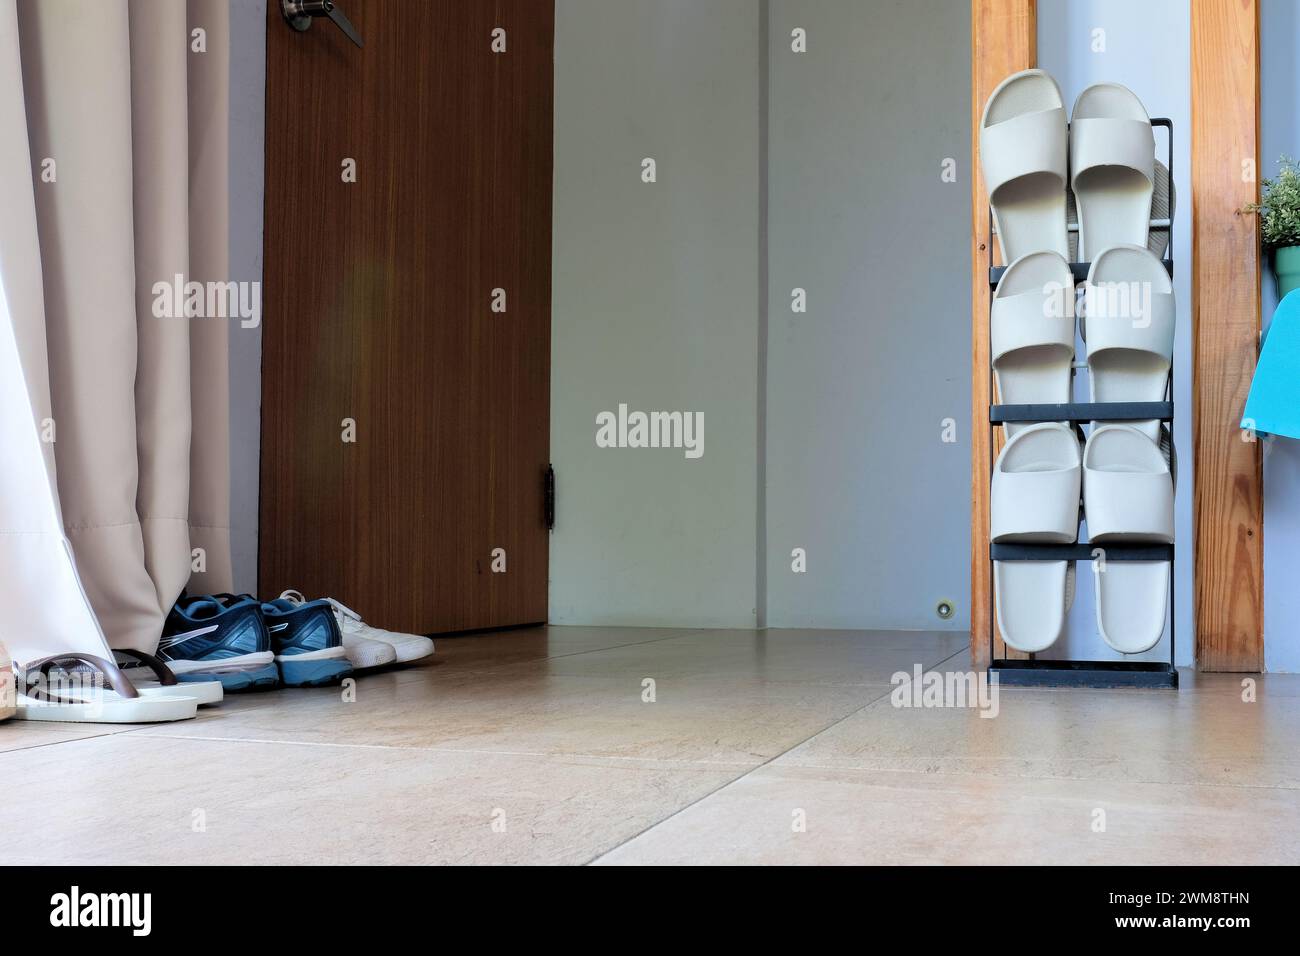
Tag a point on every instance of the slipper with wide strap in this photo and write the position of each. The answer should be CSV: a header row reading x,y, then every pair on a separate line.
x,y
1034,500
1031,331
1128,497
48,692
1128,324
1112,168
1023,155
1163,202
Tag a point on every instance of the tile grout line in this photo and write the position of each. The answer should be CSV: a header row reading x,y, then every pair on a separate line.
x,y
718,789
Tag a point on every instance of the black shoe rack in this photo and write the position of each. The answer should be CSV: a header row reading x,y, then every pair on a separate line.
x,y
1033,672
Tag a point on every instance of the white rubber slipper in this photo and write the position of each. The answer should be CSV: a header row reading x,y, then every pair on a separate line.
x,y
149,675
1128,327
1128,496
1034,500
1163,201
1112,163
153,678
1031,329
94,690
1023,155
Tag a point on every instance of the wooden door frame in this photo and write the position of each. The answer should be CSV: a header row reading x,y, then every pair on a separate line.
x,y
1004,40
1225,313
1228,497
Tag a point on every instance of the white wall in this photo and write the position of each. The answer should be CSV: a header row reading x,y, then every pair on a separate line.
x,y
655,304
1280,133
859,386
1148,49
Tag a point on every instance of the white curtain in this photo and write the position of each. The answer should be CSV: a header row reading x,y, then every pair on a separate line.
x,y
114,421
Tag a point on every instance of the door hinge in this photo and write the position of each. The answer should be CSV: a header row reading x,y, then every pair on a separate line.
x,y
548,498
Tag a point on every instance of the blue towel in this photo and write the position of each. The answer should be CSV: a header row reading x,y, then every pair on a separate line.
x,y
1273,406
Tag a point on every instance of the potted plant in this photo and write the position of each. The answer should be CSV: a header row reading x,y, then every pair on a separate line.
x,y
1279,223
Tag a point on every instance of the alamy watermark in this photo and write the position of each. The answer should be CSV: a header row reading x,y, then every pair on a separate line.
x,y
933,689
624,429
179,299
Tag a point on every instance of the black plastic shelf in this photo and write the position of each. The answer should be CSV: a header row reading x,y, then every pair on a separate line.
x,y
1081,551
1079,269
1083,412
1110,673
1032,673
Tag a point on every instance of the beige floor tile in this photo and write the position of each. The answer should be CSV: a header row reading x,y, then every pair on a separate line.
x,y
21,734
1131,735
479,651
875,817
130,799
823,657
523,709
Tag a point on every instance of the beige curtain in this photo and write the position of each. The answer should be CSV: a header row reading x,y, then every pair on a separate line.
x,y
113,172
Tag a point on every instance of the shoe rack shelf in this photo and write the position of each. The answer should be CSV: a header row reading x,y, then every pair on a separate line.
x,y
1032,671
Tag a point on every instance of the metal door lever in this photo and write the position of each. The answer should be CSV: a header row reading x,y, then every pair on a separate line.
x,y
300,13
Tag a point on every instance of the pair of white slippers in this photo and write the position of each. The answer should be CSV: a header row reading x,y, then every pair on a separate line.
x,y
1128,497
1028,152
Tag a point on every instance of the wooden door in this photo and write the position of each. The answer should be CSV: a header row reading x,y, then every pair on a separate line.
x,y
406,312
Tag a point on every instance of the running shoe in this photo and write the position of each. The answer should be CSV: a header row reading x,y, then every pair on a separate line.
x,y
363,652
307,642
406,647
221,638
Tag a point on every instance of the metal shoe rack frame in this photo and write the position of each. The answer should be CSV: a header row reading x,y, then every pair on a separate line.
x,y
1104,673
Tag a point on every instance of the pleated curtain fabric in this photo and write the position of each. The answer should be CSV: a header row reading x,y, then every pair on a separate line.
x,y
121,108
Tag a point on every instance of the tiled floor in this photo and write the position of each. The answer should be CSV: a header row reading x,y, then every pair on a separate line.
x,y
620,745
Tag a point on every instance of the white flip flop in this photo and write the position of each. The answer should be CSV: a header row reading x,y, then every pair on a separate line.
x,y
100,695
1034,500
1112,168
1023,155
1031,330
153,678
1128,327
1128,497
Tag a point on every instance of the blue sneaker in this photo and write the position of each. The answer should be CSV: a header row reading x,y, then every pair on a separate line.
x,y
219,638
307,642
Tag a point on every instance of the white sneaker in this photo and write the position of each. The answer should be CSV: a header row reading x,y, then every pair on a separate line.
x,y
405,647
362,651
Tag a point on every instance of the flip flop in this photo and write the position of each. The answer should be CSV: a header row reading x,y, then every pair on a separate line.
x,y
51,693
153,678
1031,327
1034,500
1128,327
1112,163
1023,155
150,676
1128,497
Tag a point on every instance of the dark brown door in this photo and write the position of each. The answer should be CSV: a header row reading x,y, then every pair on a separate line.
x,y
405,423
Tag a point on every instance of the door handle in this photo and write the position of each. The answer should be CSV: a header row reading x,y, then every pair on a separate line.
x,y
300,13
